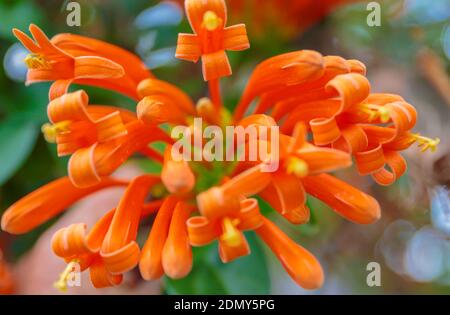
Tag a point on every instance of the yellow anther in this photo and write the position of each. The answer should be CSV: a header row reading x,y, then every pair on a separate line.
x,y
384,114
50,131
61,284
36,61
211,21
425,143
231,235
376,111
297,166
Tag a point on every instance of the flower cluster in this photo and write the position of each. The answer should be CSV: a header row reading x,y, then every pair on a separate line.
x,y
302,92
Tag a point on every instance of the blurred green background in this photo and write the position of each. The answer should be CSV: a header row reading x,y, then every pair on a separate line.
x,y
408,54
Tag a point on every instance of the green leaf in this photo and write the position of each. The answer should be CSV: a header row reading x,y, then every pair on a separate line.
x,y
17,139
19,15
150,166
246,275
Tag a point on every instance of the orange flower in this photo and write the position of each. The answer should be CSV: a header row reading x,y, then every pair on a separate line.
x,y
301,92
6,281
109,249
167,248
71,58
47,202
211,38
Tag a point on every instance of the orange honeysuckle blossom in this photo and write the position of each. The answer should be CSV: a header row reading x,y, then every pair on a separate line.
x,y
308,96
69,58
211,38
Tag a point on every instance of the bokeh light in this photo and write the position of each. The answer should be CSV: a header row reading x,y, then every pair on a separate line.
x,y
13,63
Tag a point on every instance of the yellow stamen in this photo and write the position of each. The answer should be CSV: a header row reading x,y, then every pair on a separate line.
x,y
61,284
211,21
158,191
297,166
376,111
36,61
425,143
50,131
231,235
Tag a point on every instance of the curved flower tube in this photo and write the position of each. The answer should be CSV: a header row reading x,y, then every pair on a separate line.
x,y
47,202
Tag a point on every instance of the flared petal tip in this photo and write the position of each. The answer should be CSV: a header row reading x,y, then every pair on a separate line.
x,y
4,224
367,213
10,225
373,213
147,272
314,281
175,269
15,32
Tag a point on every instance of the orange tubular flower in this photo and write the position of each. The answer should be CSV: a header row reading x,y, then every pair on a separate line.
x,y
211,38
71,58
47,202
300,95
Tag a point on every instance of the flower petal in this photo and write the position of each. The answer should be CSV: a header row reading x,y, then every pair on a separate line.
x,y
177,252
323,160
124,225
229,253
150,87
150,263
235,38
287,196
196,9
70,241
102,278
278,72
352,88
157,109
215,65
89,67
123,259
188,47
300,264
346,200
47,202
202,231
396,163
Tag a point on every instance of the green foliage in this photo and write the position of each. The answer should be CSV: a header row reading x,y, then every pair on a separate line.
x,y
17,138
18,14
150,166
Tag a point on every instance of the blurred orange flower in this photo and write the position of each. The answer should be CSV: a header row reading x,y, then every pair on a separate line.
x,y
288,18
6,281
